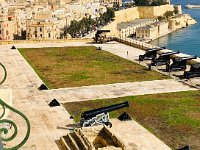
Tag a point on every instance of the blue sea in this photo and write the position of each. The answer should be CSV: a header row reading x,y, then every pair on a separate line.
x,y
186,40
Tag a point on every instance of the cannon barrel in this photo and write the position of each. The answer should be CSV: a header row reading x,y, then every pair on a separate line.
x,y
189,58
169,53
101,31
184,58
155,49
93,113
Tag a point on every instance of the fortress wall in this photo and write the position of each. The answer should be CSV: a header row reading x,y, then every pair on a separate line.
x,y
113,29
161,10
146,12
126,15
133,13
154,11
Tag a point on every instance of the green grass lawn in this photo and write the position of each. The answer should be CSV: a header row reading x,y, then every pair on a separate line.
x,y
82,66
173,117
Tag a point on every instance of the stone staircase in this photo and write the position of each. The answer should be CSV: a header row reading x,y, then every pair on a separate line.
x,y
91,138
73,141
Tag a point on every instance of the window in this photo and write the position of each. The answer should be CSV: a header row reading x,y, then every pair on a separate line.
x,y
40,29
49,35
41,35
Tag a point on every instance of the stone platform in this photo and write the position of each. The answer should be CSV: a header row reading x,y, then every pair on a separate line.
x,y
45,120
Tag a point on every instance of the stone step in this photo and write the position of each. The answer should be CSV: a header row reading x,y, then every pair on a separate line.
x,y
64,144
80,141
67,143
71,139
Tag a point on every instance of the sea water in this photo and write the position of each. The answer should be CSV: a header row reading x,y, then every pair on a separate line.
x,y
186,40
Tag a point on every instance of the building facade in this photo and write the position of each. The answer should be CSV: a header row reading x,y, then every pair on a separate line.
x,y
152,31
148,32
7,25
40,29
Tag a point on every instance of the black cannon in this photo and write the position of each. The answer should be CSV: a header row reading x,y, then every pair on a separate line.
x,y
150,53
179,63
99,37
163,59
100,116
193,72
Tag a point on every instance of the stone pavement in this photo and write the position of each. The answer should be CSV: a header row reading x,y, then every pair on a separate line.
x,y
27,99
136,136
117,90
34,104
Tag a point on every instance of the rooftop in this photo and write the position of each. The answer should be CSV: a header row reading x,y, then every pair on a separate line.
x,y
135,22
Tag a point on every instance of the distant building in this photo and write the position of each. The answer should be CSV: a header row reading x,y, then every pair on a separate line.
x,y
114,2
40,29
7,25
129,28
147,32
163,27
152,31
164,1
7,29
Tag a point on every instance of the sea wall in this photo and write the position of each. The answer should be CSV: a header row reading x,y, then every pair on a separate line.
x,y
181,21
133,13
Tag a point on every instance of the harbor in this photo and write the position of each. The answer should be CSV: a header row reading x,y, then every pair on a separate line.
x,y
186,39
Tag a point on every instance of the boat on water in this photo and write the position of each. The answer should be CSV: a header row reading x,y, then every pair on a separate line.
x,y
192,6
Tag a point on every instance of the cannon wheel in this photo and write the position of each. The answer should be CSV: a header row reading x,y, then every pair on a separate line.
x,y
108,124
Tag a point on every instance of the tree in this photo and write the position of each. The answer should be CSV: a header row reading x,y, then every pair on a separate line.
x,y
157,3
176,11
169,14
161,18
142,2
86,24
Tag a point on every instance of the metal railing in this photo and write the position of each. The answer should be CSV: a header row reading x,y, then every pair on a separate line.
x,y
4,130
4,75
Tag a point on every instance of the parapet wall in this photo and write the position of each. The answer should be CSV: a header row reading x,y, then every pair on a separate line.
x,y
154,11
3,42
